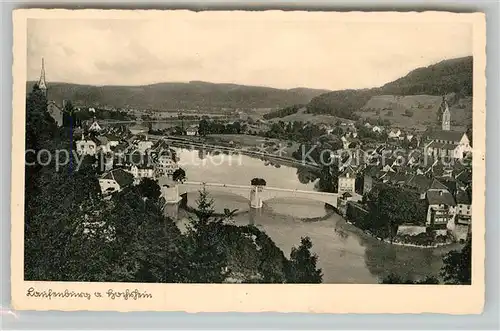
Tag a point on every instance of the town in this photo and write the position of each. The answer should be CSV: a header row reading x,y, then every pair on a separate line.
x,y
428,172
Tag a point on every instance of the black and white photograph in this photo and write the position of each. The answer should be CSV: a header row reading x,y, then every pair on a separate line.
x,y
249,149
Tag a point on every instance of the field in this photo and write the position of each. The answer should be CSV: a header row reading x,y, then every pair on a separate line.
x,y
413,111
302,116
422,108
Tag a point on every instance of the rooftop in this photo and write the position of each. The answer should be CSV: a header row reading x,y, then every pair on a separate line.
x,y
122,177
441,197
454,136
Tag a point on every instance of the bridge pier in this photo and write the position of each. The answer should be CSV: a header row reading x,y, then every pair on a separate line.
x,y
256,196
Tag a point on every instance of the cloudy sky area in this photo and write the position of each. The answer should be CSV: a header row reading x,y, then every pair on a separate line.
x,y
254,50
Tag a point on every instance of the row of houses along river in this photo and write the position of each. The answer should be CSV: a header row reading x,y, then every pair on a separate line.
x,y
346,255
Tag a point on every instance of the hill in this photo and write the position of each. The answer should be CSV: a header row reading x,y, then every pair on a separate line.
x,y
173,96
417,94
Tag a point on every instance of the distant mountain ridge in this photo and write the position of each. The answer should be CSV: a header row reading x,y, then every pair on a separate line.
x,y
411,101
445,77
177,95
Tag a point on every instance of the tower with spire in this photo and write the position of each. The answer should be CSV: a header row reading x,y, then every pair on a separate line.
x,y
445,115
42,83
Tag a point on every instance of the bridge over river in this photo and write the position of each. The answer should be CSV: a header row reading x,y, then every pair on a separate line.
x,y
255,194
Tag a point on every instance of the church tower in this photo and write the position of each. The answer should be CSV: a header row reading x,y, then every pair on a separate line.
x,y
42,84
446,115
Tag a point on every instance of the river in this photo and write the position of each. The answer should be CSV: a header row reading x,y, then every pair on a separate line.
x,y
345,254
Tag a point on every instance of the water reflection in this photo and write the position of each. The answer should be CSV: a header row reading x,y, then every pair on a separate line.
x,y
346,254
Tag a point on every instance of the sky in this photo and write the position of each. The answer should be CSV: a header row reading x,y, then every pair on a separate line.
x,y
277,51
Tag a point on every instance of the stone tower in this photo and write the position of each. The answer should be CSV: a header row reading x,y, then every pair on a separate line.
x,y
445,115
42,84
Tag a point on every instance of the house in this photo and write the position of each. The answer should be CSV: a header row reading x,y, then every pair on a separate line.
x,y
107,162
165,165
397,178
464,212
114,181
394,134
86,146
351,134
367,125
377,129
349,142
441,208
192,131
102,144
420,184
55,112
444,143
144,145
95,127
347,181
370,177
113,140
142,171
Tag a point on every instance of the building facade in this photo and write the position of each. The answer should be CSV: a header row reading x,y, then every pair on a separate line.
x,y
347,181
86,147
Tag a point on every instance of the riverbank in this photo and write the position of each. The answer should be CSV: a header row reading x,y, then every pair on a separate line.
x,y
351,227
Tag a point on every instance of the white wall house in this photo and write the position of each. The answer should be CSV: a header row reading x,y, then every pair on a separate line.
x,y
114,181
441,208
192,131
448,143
165,166
86,147
394,133
113,141
95,127
142,171
347,181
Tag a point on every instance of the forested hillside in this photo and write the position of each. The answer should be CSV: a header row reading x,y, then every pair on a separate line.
x,y
446,77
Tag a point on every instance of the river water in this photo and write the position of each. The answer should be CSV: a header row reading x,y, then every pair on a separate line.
x,y
345,254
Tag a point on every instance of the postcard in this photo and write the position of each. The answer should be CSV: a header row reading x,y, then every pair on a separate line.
x,y
248,161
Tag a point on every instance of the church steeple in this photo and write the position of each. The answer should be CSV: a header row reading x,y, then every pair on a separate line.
x,y
42,84
446,115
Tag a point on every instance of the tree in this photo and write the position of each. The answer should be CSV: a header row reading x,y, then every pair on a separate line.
x,y
149,188
390,207
302,267
258,182
457,266
179,175
68,114
40,127
329,176
203,127
208,259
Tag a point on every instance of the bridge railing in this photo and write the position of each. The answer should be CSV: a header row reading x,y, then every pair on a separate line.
x,y
267,188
